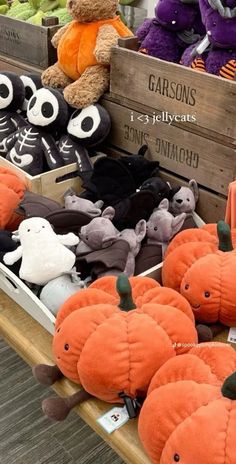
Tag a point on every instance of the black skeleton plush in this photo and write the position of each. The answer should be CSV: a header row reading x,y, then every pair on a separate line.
x,y
30,147
12,93
87,128
31,82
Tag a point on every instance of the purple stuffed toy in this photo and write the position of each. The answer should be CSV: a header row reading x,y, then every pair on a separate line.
x,y
177,25
216,54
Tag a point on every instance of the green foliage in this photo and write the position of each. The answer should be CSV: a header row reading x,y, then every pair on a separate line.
x,y
37,18
21,11
3,9
62,15
48,5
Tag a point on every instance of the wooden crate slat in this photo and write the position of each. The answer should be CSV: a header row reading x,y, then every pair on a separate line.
x,y
181,152
16,66
27,42
175,89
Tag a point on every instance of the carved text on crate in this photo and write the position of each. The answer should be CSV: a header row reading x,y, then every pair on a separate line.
x,y
163,148
171,89
177,153
10,34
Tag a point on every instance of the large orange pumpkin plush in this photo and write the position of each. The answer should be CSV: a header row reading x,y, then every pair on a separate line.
x,y
189,415
203,269
112,345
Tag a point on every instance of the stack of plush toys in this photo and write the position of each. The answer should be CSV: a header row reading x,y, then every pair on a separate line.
x,y
121,222
39,131
198,34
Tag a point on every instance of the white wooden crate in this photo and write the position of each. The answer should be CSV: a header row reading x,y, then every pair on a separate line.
x,y
24,297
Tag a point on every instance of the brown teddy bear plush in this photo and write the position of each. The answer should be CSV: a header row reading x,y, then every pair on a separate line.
x,y
84,50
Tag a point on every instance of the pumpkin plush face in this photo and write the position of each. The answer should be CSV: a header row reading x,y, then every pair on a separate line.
x,y
111,348
205,277
209,287
188,417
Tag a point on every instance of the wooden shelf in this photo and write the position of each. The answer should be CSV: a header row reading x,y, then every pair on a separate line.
x,y
33,344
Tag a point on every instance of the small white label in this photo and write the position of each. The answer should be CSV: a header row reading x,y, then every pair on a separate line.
x,y
232,335
113,419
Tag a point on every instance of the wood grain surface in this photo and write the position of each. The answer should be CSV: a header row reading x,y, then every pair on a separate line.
x,y
27,42
178,90
179,151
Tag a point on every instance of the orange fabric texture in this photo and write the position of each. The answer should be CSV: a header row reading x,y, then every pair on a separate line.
x,y
11,192
230,215
185,417
76,48
204,275
109,351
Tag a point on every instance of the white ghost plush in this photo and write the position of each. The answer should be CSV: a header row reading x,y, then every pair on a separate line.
x,y
43,252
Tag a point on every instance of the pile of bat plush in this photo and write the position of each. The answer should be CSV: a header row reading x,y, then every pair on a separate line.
x,y
39,131
121,222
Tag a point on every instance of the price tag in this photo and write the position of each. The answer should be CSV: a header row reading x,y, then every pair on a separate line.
x,y
114,419
232,335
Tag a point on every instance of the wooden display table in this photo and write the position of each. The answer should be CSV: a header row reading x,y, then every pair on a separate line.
x,y
33,344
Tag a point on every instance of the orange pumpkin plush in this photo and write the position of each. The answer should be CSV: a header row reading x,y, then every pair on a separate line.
x,y
202,268
11,192
113,348
189,415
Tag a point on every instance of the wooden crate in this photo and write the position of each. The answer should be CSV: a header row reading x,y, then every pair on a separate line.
x,y
182,154
169,87
27,43
16,66
52,184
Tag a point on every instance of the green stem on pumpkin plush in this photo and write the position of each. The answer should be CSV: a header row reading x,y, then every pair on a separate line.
x,y
229,387
224,235
124,290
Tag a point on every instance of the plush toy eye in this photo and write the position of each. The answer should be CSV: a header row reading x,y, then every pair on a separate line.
x,y
186,287
73,201
87,124
155,228
66,347
28,230
207,294
47,110
28,92
176,12
188,199
4,91
176,457
32,103
58,330
43,227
